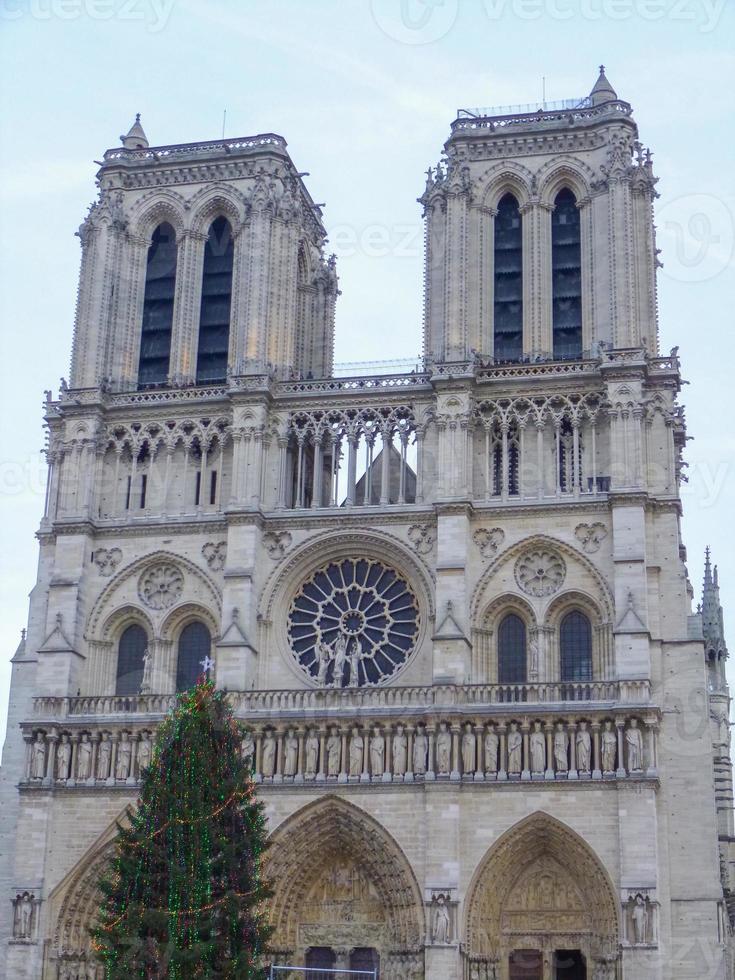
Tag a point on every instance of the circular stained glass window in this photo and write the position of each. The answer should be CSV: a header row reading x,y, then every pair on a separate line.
x,y
354,622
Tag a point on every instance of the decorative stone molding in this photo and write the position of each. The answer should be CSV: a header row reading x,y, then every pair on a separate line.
x,y
107,560
277,543
422,537
488,540
590,536
215,554
161,585
540,572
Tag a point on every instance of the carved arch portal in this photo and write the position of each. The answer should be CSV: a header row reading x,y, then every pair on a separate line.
x,y
340,880
541,887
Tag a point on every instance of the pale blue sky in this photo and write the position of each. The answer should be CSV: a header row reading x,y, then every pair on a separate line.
x,y
364,93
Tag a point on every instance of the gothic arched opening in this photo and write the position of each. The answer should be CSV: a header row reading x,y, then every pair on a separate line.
x,y
541,907
341,883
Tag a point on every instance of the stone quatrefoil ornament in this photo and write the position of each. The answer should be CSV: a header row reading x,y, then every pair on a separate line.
x,y
540,572
161,585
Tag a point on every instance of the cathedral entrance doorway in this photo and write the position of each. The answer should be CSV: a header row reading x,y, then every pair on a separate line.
x,y
344,895
532,964
541,907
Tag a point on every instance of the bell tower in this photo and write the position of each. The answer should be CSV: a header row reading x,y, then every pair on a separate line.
x,y
540,242
216,248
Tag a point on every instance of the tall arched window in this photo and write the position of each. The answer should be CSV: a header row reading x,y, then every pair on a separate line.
x,y
575,645
133,644
195,644
508,286
158,307
566,276
512,650
214,316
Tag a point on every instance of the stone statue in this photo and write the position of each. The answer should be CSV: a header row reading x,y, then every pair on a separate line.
x,y
533,649
357,747
515,749
38,762
290,753
440,921
639,915
443,750
311,753
145,684
538,748
23,916
354,658
468,750
634,740
84,757
103,757
561,748
63,758
609,747
124,754
145,750
420,748
377,752
491,750
334,751
340,658
584,748
323,658
400,752
268,763
247,749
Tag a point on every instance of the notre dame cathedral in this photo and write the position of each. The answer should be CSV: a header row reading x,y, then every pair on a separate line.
x,y
451,605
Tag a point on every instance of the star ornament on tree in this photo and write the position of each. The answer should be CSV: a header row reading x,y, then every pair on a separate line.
x,y
207,664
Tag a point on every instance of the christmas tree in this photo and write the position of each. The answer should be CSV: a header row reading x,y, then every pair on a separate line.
x,y
184,897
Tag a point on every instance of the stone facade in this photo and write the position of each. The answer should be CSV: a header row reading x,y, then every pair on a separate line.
x,y
451,606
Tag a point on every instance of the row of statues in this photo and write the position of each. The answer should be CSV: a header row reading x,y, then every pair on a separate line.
x,y
338,665
469,750
90,756
375,751
80,969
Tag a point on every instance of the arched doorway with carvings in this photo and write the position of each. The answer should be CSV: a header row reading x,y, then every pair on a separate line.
x,y
541,906
342,887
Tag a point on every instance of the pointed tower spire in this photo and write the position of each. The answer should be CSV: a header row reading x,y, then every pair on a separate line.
x,y
712,617
136,138
603,90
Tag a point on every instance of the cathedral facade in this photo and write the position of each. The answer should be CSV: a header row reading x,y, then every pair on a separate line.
x,y
450,605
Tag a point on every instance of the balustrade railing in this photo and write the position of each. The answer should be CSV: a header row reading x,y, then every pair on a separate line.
x,y
518,743
547,695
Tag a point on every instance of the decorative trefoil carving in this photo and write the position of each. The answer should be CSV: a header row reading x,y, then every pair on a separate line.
x,y
540,572
107,560
215,554
161,585
590,536
277,543
488,540
422,537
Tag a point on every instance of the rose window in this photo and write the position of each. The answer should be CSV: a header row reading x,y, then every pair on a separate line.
x,y
160,586
354,622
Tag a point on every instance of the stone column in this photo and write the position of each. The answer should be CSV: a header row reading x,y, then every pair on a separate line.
x,y
51,741
408,777
525,729
596,764
321,773
301,735
503,760
342,777
430,774
455,773
572,731
479,753
549,730
621,772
